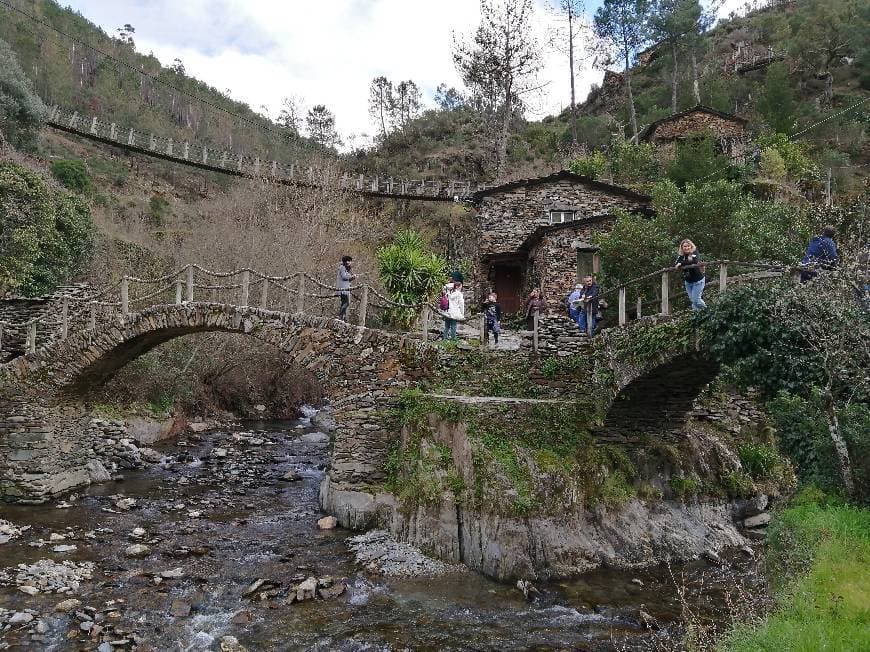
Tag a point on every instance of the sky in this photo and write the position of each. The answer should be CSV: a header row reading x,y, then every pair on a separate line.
x,y
327,51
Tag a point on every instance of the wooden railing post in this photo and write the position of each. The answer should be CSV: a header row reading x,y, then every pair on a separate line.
x,y
364,305
622,318
190,283
589,328
536,317
246,286
31,338
300,295
179,292
639,307
64,319
666,306
264,294
1,336
723,277
424,321
92,317
125,296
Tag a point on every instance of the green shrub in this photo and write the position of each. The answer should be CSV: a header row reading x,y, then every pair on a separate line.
x,y
698,158
72,174
592,166
738,484
762,462
21,111
684,487
47,235
616,490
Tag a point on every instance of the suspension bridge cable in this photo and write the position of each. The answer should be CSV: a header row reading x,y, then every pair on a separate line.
x,y
138,71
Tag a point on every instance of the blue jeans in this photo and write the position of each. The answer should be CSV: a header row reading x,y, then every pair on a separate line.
x,y
449,329
695,290
581,322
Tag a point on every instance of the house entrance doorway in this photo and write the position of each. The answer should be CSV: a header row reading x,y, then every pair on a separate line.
x,y
507,283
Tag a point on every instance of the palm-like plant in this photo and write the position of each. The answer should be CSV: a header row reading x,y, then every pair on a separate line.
x,y
410,272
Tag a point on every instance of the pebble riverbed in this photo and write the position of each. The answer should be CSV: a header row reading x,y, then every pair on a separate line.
x,y
217,547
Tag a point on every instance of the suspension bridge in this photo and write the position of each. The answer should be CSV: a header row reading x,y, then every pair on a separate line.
x,y
225,161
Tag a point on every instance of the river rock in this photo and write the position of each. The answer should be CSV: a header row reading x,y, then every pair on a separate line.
x,y
150,455
231,644
21,618
314,438
329,592
67,605
242,618
137,551
29,590
378,550
306,590
125,504
172,574
105,647
197,426
219,452
291,476
65,548
180,608
327,523
756,521
259,407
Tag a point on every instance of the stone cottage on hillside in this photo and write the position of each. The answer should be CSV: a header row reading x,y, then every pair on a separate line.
x,y
536,233
728,130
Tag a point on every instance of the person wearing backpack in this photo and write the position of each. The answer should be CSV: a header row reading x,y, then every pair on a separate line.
x,y
452,305
343,278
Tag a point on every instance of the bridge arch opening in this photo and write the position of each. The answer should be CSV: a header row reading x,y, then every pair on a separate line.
x,y
659,400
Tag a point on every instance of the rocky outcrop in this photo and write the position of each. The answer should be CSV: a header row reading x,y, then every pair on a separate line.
x,y
636,535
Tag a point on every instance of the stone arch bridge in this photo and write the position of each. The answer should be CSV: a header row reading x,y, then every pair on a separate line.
x,y
46,444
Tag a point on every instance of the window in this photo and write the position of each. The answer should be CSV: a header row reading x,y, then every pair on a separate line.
x,y
558,217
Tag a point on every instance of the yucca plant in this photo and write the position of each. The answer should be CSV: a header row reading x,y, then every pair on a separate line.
x,y
411,273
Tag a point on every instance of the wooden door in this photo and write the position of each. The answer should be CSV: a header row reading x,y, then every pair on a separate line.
x,y
507,284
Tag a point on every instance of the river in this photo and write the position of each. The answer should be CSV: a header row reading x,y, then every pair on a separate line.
x,y
216,509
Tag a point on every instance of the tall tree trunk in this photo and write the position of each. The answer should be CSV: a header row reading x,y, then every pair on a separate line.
x,y
631,104
505,128
674,78
696,88
571,65
840,448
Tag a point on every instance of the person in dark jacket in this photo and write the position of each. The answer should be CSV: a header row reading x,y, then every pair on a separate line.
x,y
693,277
585,305
821,253
342,282
534,304
491,317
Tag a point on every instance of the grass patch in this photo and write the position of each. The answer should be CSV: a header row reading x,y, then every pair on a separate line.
x,y
820,559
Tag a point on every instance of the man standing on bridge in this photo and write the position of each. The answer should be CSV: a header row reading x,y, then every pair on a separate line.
x,y
342,283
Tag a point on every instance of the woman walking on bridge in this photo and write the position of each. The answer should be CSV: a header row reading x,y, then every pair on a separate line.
x,y
688,259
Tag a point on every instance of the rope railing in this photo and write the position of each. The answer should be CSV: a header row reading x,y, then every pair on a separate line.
x,y
289,294
280,293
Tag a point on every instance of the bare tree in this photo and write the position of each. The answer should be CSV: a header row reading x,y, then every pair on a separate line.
x,y
622,25
380,102
500,64
292,110
570,11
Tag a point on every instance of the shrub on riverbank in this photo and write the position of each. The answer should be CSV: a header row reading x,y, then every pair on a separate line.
x,y
820,572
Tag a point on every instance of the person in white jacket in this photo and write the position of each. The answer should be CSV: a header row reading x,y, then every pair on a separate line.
x,y
455,306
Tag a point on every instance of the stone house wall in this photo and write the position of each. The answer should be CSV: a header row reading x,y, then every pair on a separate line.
x,y
552,262
730,133
506,219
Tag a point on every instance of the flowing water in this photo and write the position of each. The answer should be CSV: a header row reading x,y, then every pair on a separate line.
x,y
217,509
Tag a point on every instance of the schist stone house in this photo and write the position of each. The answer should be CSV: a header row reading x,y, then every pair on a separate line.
x,y
728,130
536,233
